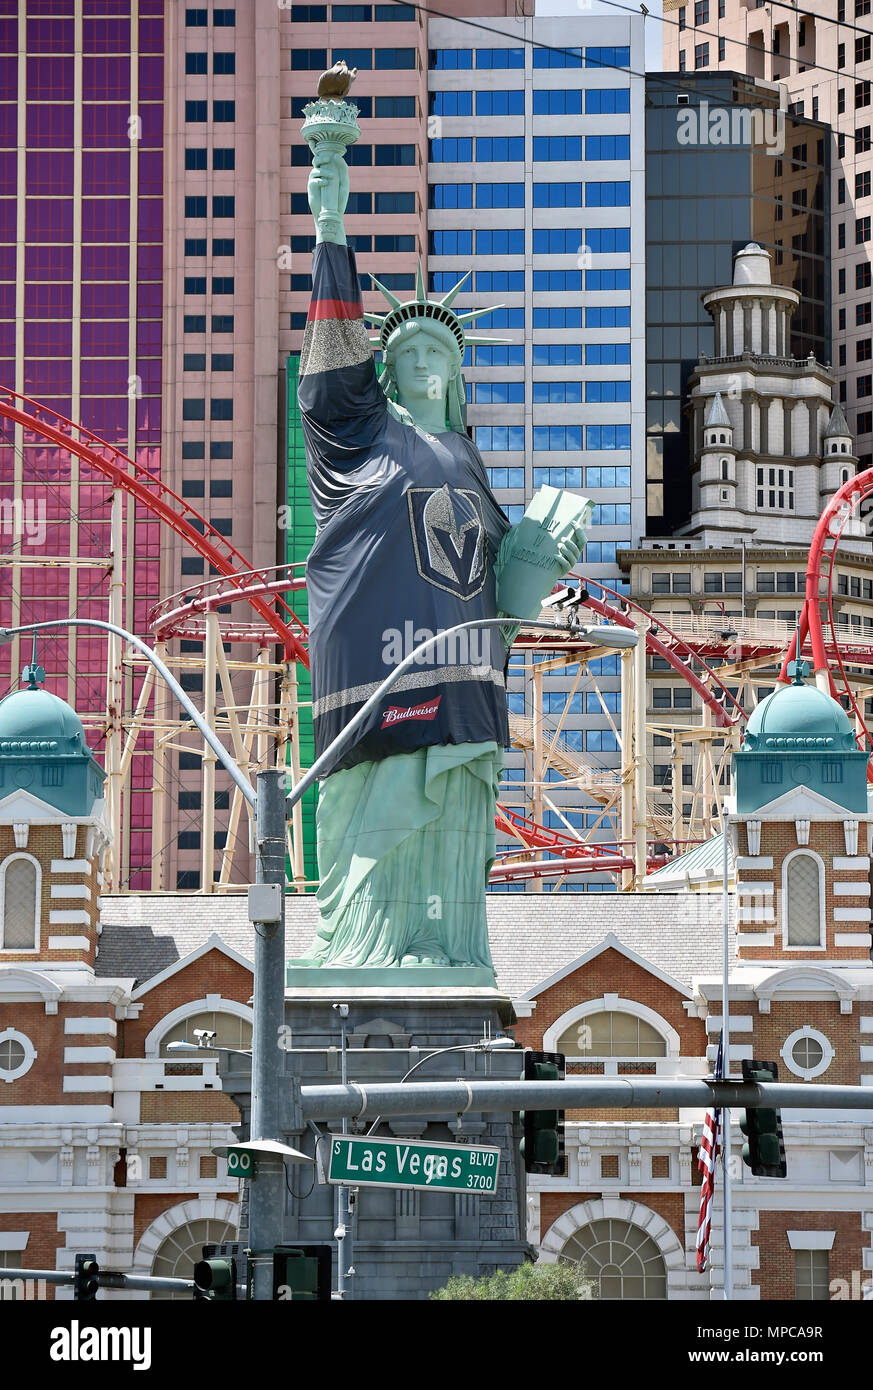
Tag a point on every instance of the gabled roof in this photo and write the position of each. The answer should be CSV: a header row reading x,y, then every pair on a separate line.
x,y
704,861
214,943
609,943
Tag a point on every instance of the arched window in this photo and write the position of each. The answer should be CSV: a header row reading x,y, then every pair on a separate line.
x,y
625,1261
229,1030
178,1254
20,882
612,1035
803,895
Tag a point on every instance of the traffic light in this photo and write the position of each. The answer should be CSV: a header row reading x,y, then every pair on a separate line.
x,y
542,1146
85,1274
302,1272
215,1276
764,1149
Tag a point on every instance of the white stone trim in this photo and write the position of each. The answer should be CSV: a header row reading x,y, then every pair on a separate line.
x,y
87,1083
866,1053
68,943
850,833
58,1115
619,1208
748,886
860,889
196,1209
70,866
843,863
30,1055
738,1051
865,1023
852,914
610,1003
754,861
21,833
197,1006
828,1054
755,938
95,1025
851,938
62,917
811,1240
88,1054
740,1023
14,1240
70,890
69,832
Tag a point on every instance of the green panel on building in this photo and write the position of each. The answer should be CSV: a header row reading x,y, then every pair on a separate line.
x,y
299,526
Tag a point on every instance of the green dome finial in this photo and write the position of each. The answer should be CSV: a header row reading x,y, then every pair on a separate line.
x,y
34,674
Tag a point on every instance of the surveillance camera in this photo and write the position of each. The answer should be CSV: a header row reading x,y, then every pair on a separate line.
x,y
205,1036
342,1009
340,1233
562,598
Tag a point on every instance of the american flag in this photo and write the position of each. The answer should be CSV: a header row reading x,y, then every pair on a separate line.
x,y
710,1143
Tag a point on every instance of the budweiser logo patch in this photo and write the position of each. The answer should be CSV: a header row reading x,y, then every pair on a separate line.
x,y
398,714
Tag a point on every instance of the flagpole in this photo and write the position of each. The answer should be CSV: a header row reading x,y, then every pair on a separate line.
x,y
726,1071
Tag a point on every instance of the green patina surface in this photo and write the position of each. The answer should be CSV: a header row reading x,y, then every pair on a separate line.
x,y
299,535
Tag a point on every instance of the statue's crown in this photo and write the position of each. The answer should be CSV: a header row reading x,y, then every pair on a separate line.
x,y
436,310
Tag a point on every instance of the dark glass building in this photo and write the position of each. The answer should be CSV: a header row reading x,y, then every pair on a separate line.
x,y
723,167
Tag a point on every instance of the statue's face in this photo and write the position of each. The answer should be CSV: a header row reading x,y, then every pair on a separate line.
x,y
423,369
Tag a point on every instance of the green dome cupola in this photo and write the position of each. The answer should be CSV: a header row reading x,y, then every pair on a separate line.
x,y
800,736
43,749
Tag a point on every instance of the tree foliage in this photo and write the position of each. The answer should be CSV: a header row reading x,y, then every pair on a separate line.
x,y
561,1281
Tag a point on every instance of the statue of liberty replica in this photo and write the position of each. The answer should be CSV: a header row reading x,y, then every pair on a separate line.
x,y
410,541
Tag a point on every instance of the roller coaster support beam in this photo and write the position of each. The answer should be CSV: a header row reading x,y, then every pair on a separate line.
x,y
639,732
627,759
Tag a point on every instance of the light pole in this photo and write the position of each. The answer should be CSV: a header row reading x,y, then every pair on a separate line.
x,y
489,1044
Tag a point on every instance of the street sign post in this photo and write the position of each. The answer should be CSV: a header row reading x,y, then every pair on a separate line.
x,y
368,1162
239,1163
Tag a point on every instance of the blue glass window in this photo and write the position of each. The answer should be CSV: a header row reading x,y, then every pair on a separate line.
x,y
394,14
451,151
608,241
500,355
514,513
224,19
506,318
500,393
491,149
557,437
195,159
558,195
491,281
499,57
195,284
451,103
196,19
557,57
490,438
607,477
442,280
196,206
557,392
392,108
395,58
515,701
557,477
394,202
505,477
223,111
355,57
607,101
356,154
557,147
607,57
450,195
611,514
557,279
551,241
395,280
223,206
605,665
607,354
224,158
392,244
559,317
500,195
450,59
608,316
351,14
358,202
394,154
196,112
607,195
308,60
607,147
602,740
451,243
500,241
607,391
607,280
224,64
608,437
502,103
222,284
195,323
557,355
557,103
195,64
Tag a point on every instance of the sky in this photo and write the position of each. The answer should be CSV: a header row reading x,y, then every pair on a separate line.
x,y
585,7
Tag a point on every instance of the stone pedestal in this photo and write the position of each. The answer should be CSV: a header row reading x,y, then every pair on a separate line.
x,y
406,1242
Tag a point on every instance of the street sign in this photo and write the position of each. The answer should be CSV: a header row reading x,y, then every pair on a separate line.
x,y
366,1162
240,1164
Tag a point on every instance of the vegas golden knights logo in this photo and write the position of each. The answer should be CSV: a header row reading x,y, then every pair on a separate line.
x,y
448,536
